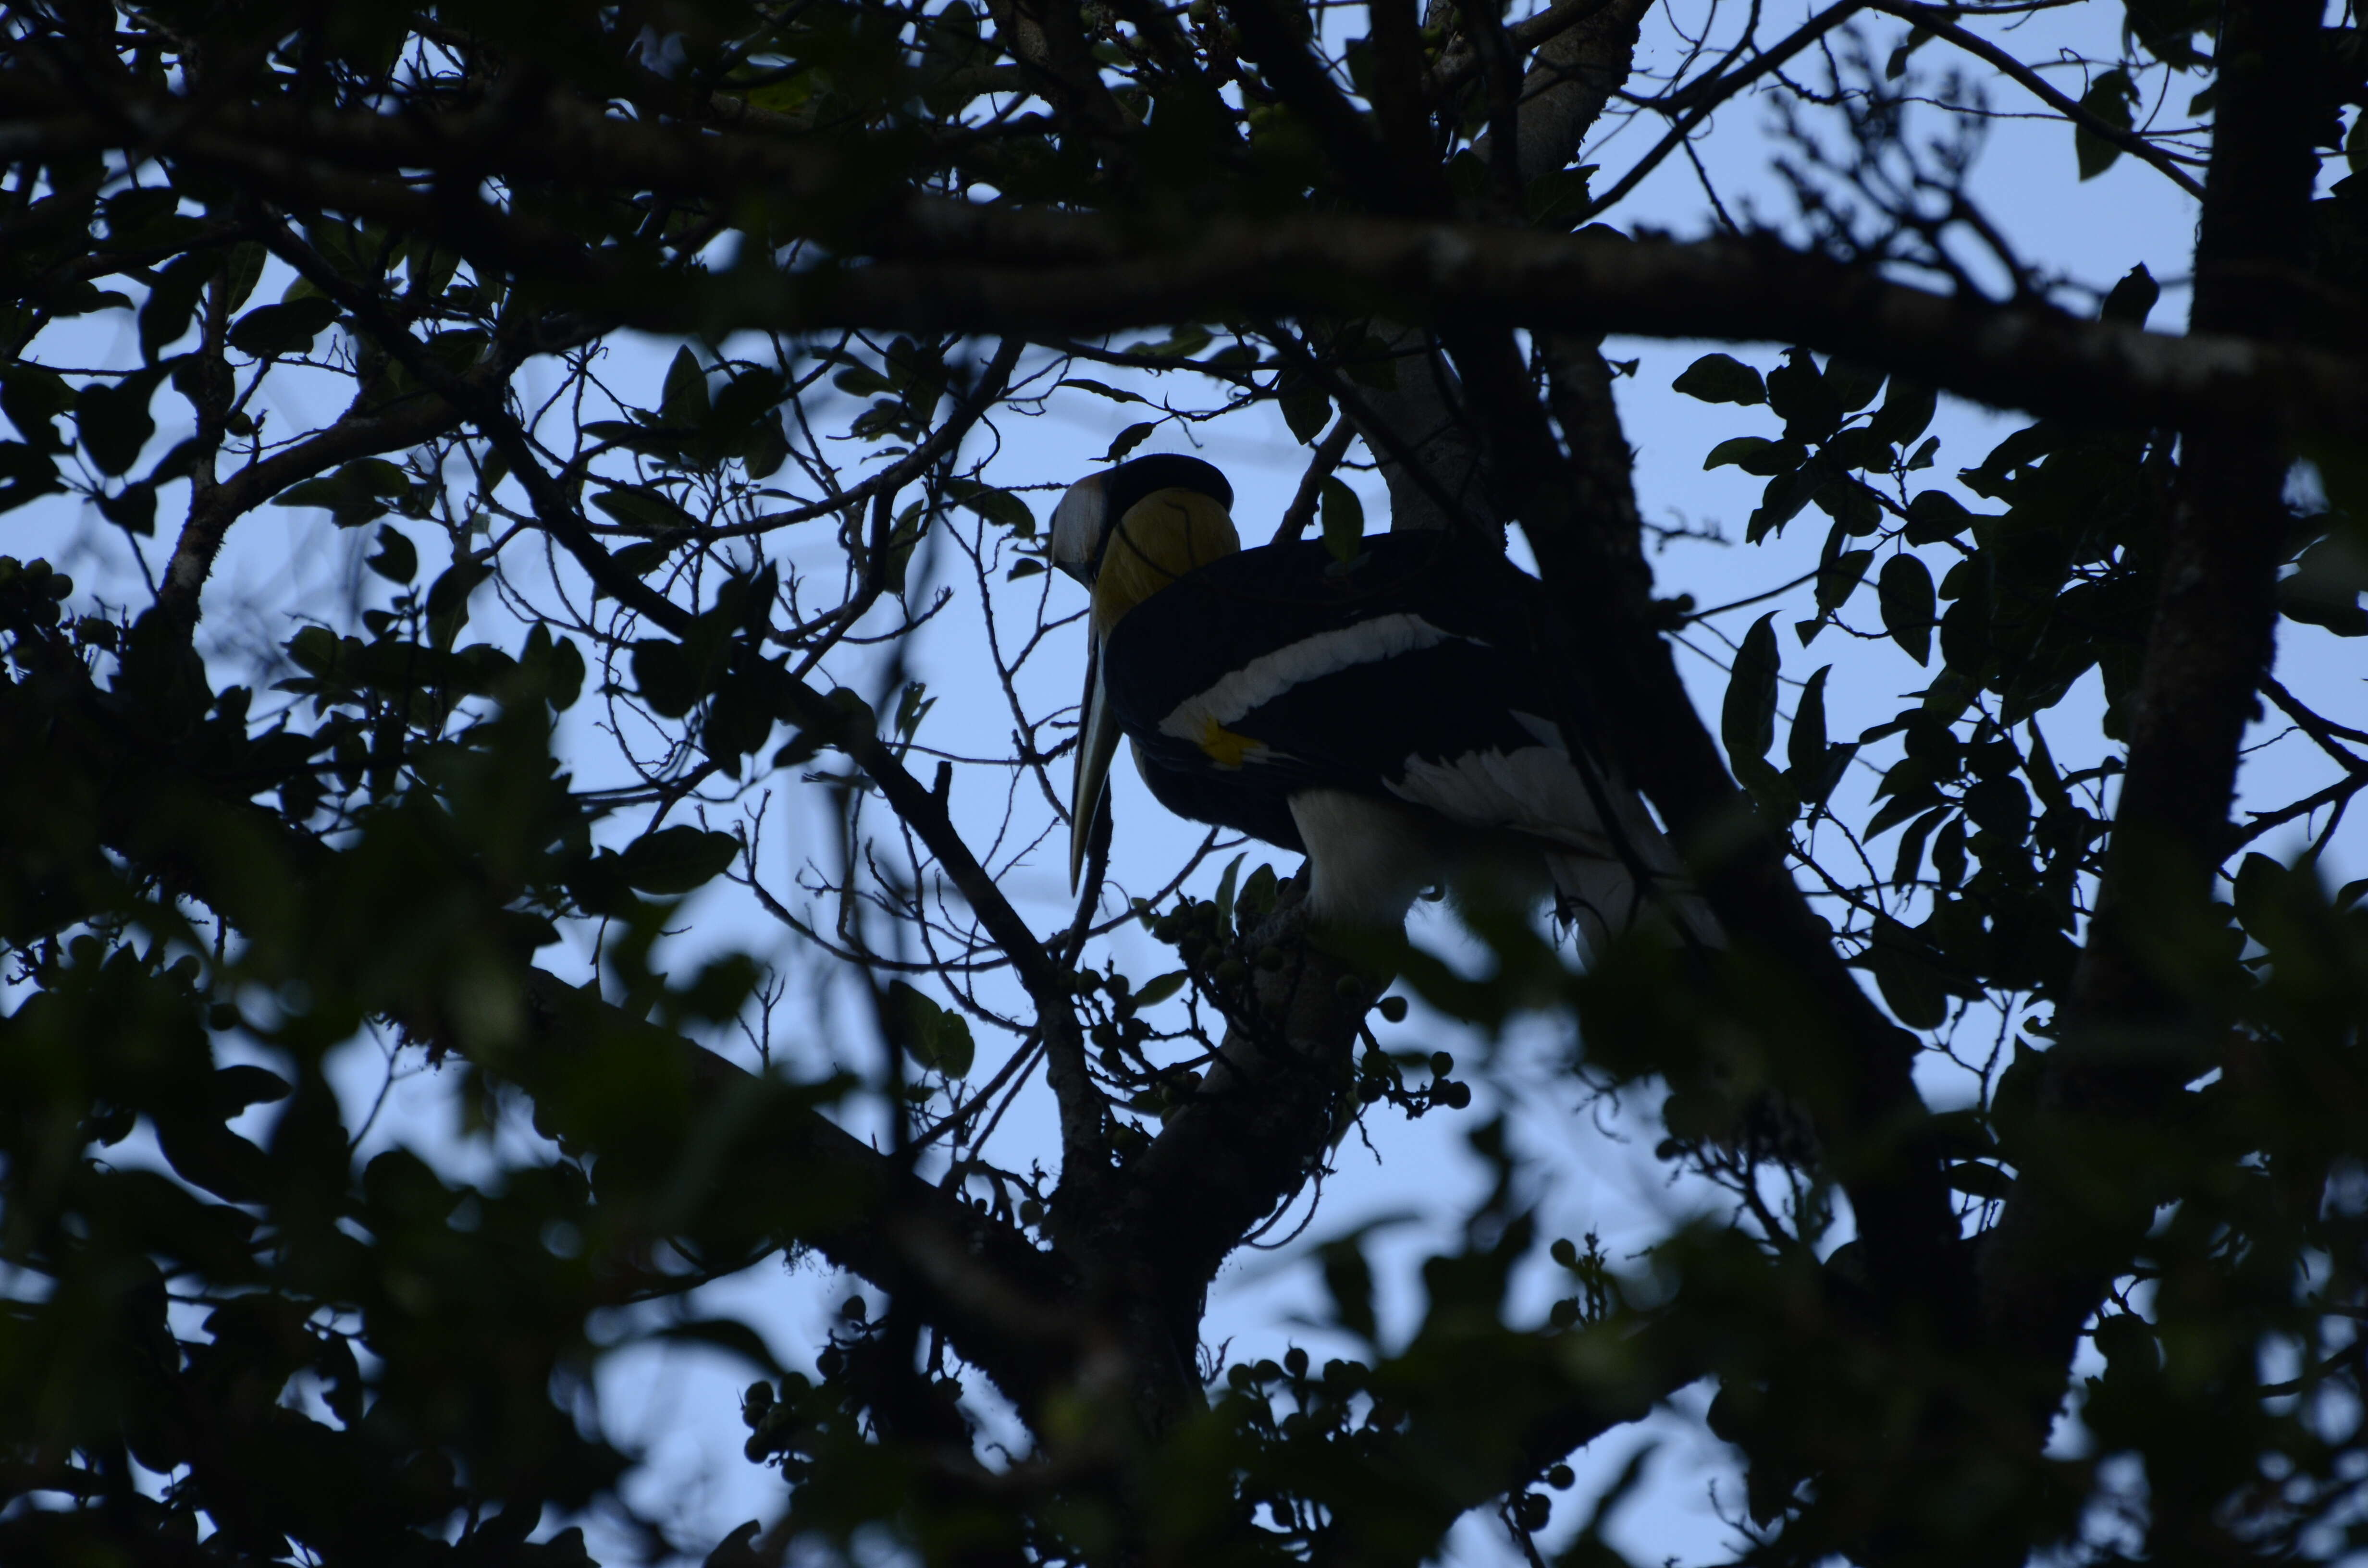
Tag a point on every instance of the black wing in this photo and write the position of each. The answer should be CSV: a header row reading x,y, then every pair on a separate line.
x,y
1278,669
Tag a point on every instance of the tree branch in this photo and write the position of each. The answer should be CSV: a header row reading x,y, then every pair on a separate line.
x,y
1737,289
1705,96
1008,1308
1084,1144
2127,1044
938,265
1320,465
1942,24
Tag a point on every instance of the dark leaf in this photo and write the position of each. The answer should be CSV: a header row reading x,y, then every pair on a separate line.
x,y
666,676
1905,592
1839,578
1800,395
1907,408
1720,377
1100,389
1805,745
270,330
165,315
676,859
32,396
1344,519
1307,408
936,1038
1786,494
28,475
1909,866
113,420
2110,98
448,598
1852,384
2324,590
1757,455
1748,721
132,509
765,448
998,506
1127,440
1934,516
397,559
685,400
1911,988
1159,988
644,510
1554,200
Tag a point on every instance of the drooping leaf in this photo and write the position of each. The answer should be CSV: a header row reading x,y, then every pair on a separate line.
x,y
2110,98
1905,594
1343,519
685,400
1159,988
999,506
397,559
113,419
938,1038
1756,455
1747,721
172,300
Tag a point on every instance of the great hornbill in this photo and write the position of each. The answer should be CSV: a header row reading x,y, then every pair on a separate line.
x,y
1380,715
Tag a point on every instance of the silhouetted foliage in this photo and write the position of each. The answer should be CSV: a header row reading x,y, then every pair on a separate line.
x,y
623,636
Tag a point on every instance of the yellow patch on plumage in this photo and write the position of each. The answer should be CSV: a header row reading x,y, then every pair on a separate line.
x,y
1163,536
1225,747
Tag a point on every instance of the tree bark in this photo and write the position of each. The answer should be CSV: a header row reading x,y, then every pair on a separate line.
x,y
2125,1043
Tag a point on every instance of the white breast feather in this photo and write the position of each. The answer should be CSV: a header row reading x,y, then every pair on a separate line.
x,y
1369,857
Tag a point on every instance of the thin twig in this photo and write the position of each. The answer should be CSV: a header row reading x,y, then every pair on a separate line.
x,y
1939,24
1716,92
1320,465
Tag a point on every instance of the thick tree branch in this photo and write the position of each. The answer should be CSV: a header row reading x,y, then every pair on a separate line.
x,y
1048,39
355,435
1257,1126
2024,356
2125,1044
1564,91
1084,1144
1005,1307
1460,61
942,265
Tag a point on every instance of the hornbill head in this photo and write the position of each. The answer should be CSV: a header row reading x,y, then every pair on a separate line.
x,y
1125,533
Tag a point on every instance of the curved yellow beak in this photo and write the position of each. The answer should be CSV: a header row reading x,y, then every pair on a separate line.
x,y
1097,738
